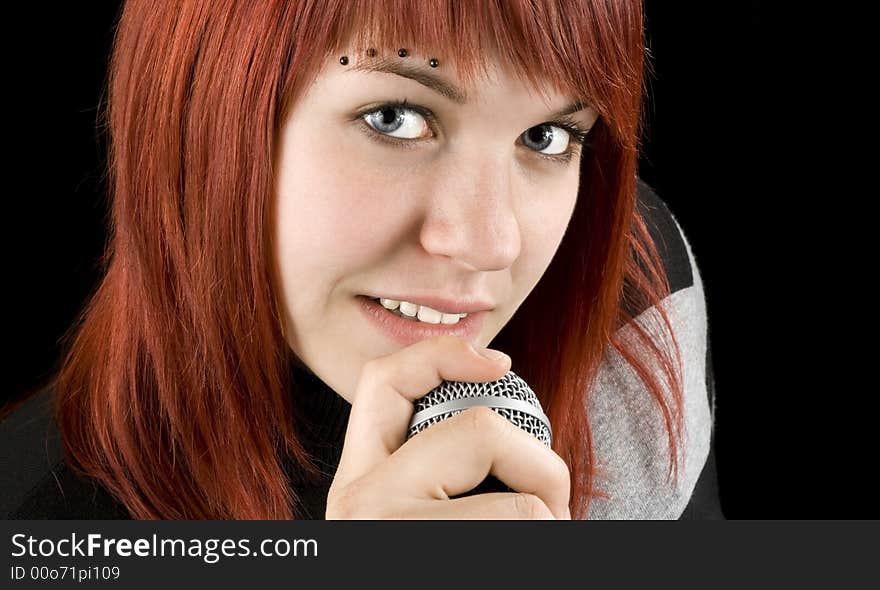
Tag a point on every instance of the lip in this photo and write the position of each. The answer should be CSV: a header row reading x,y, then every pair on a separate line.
x,y
441,304
406,332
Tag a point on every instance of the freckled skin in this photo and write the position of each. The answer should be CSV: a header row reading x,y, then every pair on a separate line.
x,y
470,209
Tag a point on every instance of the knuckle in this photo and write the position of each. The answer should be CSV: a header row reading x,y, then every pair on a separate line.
x,y
482,421
531,507
374,370
345,503
562,473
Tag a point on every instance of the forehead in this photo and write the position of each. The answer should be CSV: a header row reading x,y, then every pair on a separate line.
x,y
443,75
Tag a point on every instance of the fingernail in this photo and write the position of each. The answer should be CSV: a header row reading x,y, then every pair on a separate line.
x,y
493,355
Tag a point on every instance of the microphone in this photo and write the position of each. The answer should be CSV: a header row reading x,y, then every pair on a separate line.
x,y
509,396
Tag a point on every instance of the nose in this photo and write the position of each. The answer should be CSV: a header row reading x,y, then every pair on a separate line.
x,y
470,214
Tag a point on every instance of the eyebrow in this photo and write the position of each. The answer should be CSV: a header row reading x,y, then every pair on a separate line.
x,y
442,87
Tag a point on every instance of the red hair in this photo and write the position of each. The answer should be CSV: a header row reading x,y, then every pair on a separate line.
x,y
174,391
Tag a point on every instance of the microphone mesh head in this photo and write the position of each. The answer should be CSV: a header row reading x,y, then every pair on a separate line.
x,y
509,396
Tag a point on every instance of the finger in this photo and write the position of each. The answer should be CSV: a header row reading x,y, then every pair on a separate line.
x,y
496,506
383,401
455,455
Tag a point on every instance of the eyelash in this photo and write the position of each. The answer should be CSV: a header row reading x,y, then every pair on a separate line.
x,y
578,136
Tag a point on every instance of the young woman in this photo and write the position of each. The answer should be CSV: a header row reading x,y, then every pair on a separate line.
x,y
322,209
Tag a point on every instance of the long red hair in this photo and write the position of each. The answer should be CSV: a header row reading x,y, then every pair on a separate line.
x,y
174,391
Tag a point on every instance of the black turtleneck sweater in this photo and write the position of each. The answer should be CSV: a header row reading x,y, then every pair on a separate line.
x,y
36,482
323,414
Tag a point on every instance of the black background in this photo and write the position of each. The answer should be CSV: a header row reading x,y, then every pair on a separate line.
x,y
717,151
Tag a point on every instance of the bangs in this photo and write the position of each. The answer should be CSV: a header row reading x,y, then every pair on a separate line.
x,y
575,48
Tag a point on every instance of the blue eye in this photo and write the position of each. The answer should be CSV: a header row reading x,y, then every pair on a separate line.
x,y
398,121
404,125
541,137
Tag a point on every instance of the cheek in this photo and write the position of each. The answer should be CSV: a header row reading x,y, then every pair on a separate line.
x,y
333,215
544,224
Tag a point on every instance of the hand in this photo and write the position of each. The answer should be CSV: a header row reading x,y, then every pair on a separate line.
x,y
381,475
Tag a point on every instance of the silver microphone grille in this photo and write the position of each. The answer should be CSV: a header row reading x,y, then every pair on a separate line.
x,y
509,396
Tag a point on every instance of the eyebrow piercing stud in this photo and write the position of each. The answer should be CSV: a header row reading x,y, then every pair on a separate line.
x,y
433,62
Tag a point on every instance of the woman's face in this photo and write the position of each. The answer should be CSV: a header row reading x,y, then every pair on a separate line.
x,y
453,197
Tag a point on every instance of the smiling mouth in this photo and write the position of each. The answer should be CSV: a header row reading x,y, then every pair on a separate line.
x,y
401,315
412,330
426,316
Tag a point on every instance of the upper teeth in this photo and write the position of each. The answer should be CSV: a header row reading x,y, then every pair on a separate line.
x,y
424,313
